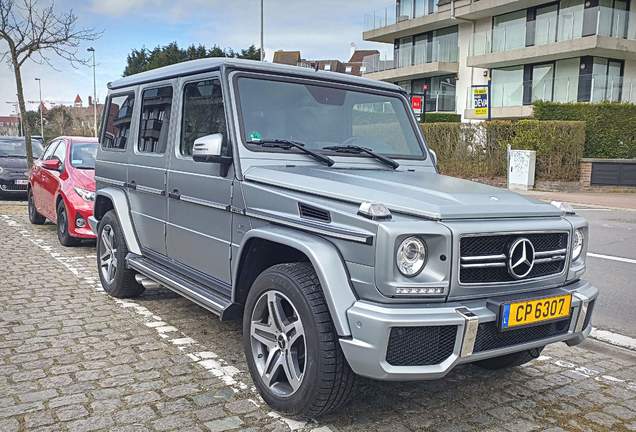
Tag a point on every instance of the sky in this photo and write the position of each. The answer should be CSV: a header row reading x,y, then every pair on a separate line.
x,y
320,29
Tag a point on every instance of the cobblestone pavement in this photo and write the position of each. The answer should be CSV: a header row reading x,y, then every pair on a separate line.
x,y
72,358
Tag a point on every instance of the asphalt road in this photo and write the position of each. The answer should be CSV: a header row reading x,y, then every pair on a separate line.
x,y
613,236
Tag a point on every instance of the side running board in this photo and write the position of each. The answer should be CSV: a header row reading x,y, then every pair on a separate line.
x,y
199,294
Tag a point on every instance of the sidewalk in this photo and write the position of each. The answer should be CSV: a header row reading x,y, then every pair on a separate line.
x,y
626,201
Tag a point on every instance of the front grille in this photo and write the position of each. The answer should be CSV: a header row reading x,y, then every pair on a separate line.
x,y
489,337
484,258
420,346
12,187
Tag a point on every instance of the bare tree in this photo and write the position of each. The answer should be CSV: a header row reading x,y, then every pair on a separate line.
x,y
34,32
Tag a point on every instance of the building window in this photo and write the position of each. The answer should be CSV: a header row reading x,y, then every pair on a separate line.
x,y
327,67
348,69
507,86
509,31
566,80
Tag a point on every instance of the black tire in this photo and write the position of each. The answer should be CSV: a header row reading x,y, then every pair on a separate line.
x,y
34,217
122,283
328,380
510,360
65,238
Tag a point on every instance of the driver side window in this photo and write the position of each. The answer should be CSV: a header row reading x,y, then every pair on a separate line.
x,y
203,113
60,152
49,150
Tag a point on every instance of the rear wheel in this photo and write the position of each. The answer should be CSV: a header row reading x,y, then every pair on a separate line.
x,y
510,360
65,238
291,346
35,217
116,279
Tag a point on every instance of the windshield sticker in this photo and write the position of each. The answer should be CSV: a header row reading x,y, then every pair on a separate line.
x,y
255,136
77,162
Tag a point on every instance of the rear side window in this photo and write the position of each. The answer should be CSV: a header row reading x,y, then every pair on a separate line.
x,y
155,119
117,122
203,113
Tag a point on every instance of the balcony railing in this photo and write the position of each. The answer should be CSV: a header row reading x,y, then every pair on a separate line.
x,y
390,14
567,26
440,101
597,88
443,49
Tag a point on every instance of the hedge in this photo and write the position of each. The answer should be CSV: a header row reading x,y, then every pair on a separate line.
x,y
610,126
438,117
479,150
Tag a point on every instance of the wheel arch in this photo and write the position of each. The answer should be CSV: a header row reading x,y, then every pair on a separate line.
x,y
114,199
263,247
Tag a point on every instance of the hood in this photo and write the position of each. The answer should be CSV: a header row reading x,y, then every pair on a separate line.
x,y
85,179
425,194
13,163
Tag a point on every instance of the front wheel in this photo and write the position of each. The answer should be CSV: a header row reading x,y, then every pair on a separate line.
x,y
116,279
510,360
291,346
63,235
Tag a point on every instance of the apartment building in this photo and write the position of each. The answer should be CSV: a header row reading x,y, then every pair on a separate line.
x,y
529,50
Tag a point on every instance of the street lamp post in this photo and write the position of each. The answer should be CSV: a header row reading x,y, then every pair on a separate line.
x,y
41,104
92,50
262,31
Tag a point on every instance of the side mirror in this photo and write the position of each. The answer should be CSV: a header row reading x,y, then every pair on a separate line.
x,y
52,164
433,157
208,149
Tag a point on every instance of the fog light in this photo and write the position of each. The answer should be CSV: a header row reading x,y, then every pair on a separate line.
x,y
80,222
420,291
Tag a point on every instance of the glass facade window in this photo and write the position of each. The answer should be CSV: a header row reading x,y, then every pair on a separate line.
x,y
507,86
570,19
445,43
613,18
509,31
437,46
542,82
545,25
406,9
566,79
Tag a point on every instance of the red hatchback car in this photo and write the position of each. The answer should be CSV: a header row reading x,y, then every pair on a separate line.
x,y
62,188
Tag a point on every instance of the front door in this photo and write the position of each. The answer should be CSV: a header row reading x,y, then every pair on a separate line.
x,y
147,169
50,182
38,178
199,220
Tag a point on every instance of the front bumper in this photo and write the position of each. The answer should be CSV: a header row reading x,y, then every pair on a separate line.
x,y
10,186
466,326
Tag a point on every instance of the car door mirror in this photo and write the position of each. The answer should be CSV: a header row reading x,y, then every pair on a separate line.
x,y
208,149
433,157
52,164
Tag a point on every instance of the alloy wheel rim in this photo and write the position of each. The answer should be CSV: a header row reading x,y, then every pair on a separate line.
x,y
278,343
62,222
31,206
108,254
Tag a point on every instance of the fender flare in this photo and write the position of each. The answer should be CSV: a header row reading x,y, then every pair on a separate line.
x,y
327,263
122,209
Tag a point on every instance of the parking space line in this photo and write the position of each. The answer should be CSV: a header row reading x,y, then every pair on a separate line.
x,y
612,258
614,338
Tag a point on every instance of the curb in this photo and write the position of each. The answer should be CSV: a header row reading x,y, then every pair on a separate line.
x,y
614,339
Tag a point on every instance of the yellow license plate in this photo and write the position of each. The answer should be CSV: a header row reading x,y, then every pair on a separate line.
x,y
535,311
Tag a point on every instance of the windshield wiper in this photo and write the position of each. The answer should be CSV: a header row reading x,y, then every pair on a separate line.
x,y
357,150
289,144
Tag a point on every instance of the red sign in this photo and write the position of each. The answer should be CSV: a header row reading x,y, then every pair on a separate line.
x,y
416,104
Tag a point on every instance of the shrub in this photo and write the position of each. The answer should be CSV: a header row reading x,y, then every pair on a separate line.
x,y
479,150
610,130
438,117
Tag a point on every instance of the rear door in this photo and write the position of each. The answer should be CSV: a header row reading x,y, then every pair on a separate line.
x,y
147,170
199,220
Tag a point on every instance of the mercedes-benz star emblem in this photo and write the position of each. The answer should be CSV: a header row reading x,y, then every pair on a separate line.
x,y
521,258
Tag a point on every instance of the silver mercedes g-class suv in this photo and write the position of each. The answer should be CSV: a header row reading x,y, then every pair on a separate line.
x,y
306,204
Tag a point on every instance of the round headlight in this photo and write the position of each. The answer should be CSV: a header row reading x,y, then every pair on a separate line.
x,y
577,246
411,256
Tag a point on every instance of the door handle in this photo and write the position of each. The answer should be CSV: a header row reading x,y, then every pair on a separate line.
x,y
174,194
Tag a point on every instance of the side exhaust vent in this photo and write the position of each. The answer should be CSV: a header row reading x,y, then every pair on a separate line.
x,y
310,212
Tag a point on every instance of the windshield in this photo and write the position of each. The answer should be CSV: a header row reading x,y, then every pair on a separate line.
x,y
321,116
83,155
16,147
